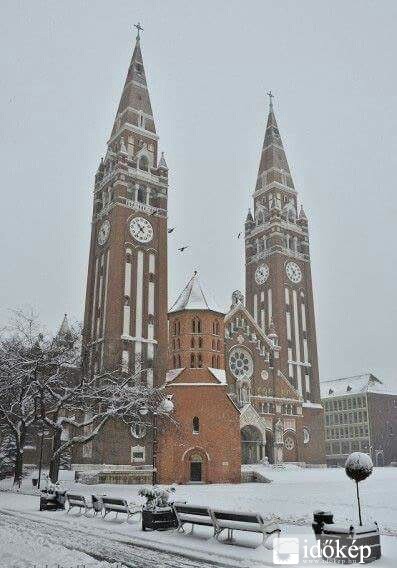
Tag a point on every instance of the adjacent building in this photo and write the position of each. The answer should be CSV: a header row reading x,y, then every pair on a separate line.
x,y
360,415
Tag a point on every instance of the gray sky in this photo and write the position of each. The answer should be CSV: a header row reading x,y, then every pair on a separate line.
x,y
209,64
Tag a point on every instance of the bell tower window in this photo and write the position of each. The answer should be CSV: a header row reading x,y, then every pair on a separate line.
x,y
196,425
143,163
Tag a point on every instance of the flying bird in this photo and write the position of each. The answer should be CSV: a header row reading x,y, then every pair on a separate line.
x,y
171,229
183,248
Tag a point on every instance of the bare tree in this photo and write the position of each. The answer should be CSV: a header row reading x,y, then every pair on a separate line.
x,y
44,378
18,365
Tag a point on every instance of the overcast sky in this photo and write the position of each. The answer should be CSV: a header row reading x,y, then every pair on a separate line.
x,y
332,68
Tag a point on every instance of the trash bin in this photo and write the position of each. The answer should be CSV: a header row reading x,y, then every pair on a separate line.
x,y
319,519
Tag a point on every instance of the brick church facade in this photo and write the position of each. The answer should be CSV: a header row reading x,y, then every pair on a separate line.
x,y
245,384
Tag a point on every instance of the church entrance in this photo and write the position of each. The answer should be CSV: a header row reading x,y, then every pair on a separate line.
x,y
196,467
251,445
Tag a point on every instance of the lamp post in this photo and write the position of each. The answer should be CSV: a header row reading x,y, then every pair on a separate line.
x,y
41,453
166,406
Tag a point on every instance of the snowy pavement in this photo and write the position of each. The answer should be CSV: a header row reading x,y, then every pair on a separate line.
x,y
31,538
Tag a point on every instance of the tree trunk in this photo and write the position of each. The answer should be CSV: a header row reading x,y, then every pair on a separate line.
x,y
56,457
18,468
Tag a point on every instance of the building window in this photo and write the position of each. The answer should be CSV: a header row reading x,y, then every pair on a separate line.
x,y
192,345
199,360
143,163
196,425
200,342
192,361
177,327
196,325
137,454
141,196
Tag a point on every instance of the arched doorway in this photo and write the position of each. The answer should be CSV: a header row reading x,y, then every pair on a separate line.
x,y
269,448
290,450
196,467
251,445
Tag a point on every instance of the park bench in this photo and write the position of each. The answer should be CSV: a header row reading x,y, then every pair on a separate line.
x,y
221,520
117,505
81,502
247,522
193,515
78,502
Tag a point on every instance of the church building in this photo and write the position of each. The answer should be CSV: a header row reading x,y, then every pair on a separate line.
x,y
244,384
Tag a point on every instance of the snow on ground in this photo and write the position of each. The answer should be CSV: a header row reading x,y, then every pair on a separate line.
x,y
293,495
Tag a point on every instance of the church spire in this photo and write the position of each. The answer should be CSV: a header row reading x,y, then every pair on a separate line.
x,y
135,107
273,165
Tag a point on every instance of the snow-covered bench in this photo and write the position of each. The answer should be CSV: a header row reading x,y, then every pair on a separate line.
x,y
221,520
78,502
248,522
81,502
116,505
193,515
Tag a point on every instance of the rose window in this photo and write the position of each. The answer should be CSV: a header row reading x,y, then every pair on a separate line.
x,y
240,363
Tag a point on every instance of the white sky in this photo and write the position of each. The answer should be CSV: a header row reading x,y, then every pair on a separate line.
x,y
209,64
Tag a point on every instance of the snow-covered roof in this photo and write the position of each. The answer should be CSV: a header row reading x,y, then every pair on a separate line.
x,y
352,385
219,374
195,297
172,374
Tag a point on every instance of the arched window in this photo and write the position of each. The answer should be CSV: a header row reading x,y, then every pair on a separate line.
x,y
200,342
196,325
143,163
196,425
141,197
218,345
260,218
217,328
199,360
217,362
192,343
192,360
179,361
174,362
213,361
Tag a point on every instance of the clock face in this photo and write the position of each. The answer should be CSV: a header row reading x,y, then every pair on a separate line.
x,y
293,271
141,230
240,363
261,274
103,233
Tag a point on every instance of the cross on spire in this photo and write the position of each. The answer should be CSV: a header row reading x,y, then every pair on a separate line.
x,y
271,97
139,29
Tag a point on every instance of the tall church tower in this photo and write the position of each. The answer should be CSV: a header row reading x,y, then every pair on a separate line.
x,y
125,323
278,274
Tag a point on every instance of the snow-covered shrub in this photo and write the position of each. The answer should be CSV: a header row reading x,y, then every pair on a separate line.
x,y
156,497
358,466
